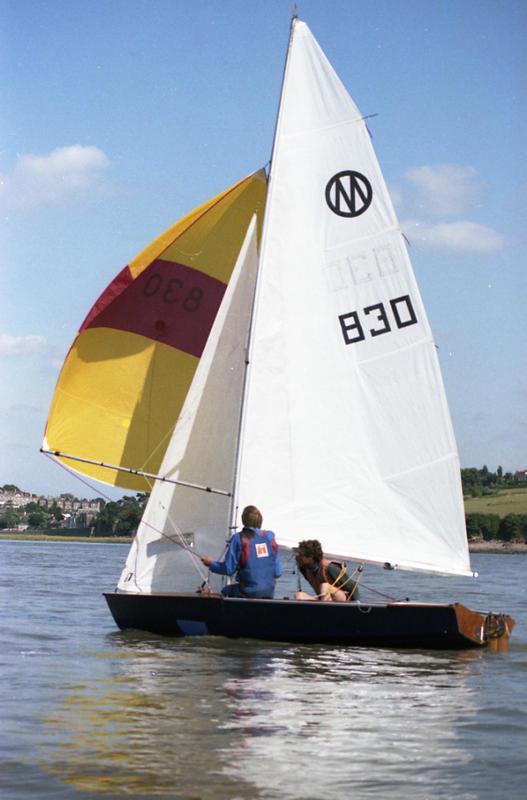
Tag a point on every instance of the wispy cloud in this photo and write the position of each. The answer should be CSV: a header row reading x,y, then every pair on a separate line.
x,y
465,236
445,189
56,177
433,196
21,345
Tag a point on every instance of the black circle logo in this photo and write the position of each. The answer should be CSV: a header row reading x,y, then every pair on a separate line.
x,y
349,194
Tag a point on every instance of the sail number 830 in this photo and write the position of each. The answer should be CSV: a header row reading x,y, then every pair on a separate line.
x,y
173,291
402,313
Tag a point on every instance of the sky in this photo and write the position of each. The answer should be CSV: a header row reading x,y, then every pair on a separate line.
x,y
119,116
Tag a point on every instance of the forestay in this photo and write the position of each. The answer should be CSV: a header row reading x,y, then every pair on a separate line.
x,y
347,436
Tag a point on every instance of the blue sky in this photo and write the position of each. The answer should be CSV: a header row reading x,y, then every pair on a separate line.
x,y
118,117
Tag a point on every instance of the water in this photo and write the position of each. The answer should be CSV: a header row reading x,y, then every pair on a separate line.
x,y
89,711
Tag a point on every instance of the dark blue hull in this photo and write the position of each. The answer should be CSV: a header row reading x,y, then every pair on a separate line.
x,y
379,625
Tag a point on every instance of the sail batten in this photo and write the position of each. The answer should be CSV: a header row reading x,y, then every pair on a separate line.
x,y
417,467
323,128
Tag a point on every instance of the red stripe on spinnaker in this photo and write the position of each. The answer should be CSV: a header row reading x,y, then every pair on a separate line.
x,y
167,302
112,291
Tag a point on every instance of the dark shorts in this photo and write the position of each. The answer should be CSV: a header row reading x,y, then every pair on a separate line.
x,y
232,590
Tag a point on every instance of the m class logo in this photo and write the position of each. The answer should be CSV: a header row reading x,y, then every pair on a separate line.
x,y
349,194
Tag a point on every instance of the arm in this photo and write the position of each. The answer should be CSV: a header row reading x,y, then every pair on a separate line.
x,y
232,558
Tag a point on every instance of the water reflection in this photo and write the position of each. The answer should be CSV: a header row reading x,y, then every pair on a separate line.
x,y
149,729
213,718
352,719
90,712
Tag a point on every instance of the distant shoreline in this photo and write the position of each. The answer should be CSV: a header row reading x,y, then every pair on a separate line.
x,y
494,546
43,537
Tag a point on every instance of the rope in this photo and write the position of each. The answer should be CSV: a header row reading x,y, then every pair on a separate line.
x,y
360,571
495,626
340,587
381,594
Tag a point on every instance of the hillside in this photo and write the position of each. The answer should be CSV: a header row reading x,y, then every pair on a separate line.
x,y
507,501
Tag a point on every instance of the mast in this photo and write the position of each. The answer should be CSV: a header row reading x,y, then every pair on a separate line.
x,y
239,448
294,18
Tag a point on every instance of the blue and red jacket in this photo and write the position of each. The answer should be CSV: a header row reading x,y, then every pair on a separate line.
x,y
255,561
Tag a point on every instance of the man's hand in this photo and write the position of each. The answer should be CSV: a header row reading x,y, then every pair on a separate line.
x,y
207,560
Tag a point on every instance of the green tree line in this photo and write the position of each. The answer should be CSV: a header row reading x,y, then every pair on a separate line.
x,y
123,516
512,528
477,482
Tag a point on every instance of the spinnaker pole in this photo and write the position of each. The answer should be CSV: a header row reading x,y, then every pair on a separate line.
x,y
141,473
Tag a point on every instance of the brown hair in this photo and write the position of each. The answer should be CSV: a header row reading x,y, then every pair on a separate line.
x,y
310,548
252,517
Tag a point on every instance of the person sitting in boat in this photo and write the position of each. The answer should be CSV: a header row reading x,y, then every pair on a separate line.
x,y
330,579
253,555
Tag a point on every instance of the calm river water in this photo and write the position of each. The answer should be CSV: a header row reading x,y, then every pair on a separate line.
x,y
87,711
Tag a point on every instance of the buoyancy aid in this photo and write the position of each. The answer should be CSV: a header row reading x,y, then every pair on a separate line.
x,y
256,574
320,576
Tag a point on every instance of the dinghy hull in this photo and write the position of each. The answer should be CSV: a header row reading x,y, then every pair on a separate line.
x,y
401,624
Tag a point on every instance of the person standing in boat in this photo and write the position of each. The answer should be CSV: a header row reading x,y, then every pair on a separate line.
x,y
330,580
253,555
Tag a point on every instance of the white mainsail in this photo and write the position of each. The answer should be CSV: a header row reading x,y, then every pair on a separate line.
x,y
347,436
202,450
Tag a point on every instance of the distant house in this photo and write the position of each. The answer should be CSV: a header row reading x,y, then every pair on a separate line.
x,y
15,499
520,476
76,513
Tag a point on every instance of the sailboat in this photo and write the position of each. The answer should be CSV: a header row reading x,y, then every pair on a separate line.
x,y
272,348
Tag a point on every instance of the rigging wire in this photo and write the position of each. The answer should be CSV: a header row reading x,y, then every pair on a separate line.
x,y
95,489
202,574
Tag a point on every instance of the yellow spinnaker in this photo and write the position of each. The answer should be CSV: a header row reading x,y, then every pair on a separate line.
x,y
125,379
